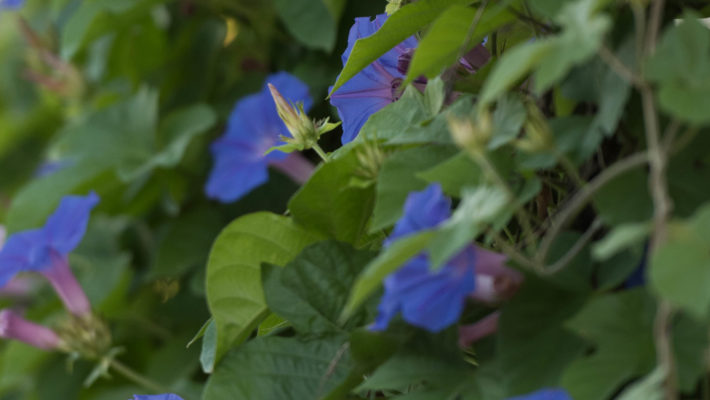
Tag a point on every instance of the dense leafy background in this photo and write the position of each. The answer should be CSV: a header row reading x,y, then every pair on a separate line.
x,y
583,125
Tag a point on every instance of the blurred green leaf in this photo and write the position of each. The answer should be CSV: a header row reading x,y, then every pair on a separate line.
x,y
313,23
680,267
398,177
384,264
620,326
451,35
398,27
681,65
533,346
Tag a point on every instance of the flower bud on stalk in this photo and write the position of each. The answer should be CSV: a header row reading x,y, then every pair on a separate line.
x,y
538,137
304,131
470,136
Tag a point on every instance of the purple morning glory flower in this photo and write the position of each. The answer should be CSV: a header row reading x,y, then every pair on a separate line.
x,y
254,126
545,394
375,86
428,299
13,326
11,4
166,396
46,249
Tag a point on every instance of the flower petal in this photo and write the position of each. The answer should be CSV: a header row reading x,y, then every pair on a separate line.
x,y
254,126
545,394
235,173
165,396
27,250
66,226
422,210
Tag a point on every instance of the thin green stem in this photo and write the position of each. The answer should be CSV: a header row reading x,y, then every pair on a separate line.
x,y
582,197
137,378
521,215
575,249
571,170
323,155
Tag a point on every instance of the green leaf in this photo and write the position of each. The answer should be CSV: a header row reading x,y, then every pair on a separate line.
x,y
208,352
583,32
553,57
35,201
534,349
186,243
454,174
398,27
434,95
620,238
681,64
389,122
479,207
680,267
125,136
234,292
625,199
450,36
649,388
329,204
284,368
398,177
313,23
311,290
511,68
508,119
387,262
620,326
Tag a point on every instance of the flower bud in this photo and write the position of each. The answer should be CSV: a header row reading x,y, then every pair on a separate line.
x,y
538,137
86,335
303,130
13,326
469,135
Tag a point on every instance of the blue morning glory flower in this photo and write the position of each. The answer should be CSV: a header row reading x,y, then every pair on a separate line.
x,y
11,4
253,127
45,250
545,394
428,299
166,396
375,86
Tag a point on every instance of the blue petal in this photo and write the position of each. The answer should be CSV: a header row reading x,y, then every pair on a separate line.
x,y
429,299
291,88
545,394
11,4
66,226
253,127
371,89
27,250
166,396
236,171
422,210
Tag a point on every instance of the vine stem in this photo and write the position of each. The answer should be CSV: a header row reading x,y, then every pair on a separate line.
x,y
582,197
323,155
662,204
137,378
520,213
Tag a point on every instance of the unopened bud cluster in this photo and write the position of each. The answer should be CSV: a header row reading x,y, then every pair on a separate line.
x,y
304,130
472,136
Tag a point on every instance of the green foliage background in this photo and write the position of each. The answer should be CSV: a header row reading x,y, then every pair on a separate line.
x,y
586,157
